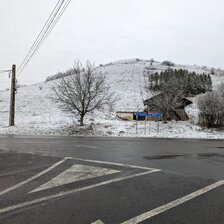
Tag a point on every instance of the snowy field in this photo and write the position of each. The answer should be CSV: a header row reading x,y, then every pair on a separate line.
x,y
37,114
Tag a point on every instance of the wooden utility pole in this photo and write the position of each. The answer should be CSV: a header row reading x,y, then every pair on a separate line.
x,y
12,97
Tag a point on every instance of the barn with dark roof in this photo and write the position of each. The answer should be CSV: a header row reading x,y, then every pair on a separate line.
x,y
178,113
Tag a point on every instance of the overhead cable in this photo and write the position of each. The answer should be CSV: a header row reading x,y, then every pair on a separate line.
x,y
45,31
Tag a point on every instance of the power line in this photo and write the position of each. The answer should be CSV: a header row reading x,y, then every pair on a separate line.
x,y
45,31
5,71
58,17
46,34
40,33
55,22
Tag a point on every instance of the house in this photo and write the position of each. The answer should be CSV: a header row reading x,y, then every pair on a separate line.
x,y
178,114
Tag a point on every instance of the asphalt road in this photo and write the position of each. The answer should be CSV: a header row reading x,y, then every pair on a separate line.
x,y
64,180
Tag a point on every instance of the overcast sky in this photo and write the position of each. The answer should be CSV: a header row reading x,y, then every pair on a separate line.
x,y
183,31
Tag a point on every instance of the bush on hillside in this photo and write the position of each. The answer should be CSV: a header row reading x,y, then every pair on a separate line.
x,y
168,63
58,76
211,107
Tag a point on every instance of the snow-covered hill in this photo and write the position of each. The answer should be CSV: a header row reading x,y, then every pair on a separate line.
x,y
36,113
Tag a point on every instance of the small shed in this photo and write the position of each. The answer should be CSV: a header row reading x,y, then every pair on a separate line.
x,y
129,116
125,115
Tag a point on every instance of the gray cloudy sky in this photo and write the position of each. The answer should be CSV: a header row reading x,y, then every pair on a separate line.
x,y
186,32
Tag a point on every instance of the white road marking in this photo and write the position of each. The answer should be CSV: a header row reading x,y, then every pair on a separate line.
x,y
75,173
36,143
10,208
98,222
172,204
87,146
33,177
112,163
22,171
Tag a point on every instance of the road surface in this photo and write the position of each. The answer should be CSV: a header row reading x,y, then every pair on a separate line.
x,y
89,180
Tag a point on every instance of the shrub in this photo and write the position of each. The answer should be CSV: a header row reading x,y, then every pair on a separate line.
x,y
211,107
212,71
58,76
168,63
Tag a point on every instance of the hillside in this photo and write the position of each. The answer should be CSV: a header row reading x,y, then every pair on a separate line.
x,y
36,113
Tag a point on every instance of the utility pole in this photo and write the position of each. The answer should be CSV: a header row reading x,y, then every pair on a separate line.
x,y
12,97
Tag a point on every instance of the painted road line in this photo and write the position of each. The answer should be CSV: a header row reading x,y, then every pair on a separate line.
x,y
23,143
10,208
33,177
75,173
87,146
97,222
115,164
175,203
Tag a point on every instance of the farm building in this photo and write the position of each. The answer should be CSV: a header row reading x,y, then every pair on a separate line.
x,y
128,116
125,115
178,114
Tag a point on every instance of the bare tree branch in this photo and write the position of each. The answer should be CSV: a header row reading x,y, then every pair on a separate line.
x,y
171,92
83,89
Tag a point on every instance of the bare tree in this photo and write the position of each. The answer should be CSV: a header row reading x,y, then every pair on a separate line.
x,y
167,99
82,90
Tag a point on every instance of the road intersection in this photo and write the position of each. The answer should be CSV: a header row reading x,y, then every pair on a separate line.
x,y
42,186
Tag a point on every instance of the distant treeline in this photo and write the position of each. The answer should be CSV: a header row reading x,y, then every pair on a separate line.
x,y
56,76
59,75
191,82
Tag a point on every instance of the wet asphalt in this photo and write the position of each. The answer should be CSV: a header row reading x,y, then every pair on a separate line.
x,y
186,165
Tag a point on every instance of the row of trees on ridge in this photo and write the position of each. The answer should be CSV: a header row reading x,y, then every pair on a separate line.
x,y
192,83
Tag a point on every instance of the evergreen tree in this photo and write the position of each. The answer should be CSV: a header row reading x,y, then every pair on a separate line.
x,y
209,88
192,83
